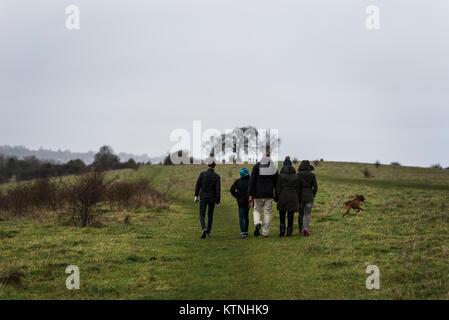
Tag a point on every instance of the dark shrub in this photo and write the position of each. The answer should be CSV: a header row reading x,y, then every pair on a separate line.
x,y
367,173
134,194
83,197
396,164
436,166
377,163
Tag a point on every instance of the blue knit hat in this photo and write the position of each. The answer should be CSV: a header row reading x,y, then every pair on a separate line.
x,y
244,172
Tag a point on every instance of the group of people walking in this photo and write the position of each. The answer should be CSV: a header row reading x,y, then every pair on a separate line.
x,y
292,191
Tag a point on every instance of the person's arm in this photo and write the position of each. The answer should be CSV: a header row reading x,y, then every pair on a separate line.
x,y
275,180
234,190
278,190
252,181
218,190
315,186
198,185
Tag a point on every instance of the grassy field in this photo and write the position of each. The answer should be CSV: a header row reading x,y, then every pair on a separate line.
x,y
159,255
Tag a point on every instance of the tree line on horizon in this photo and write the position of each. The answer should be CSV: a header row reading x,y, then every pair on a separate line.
x,y
32,168
64,156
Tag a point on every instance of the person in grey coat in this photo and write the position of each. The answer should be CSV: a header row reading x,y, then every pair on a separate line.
x,y
309,189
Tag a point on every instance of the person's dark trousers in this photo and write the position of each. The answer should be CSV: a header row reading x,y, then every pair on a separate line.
x,y
243,219
290,217
210,204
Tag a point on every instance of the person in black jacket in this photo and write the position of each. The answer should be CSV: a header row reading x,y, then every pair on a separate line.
x,y
208,190
309,188
287,196
239,190
262,184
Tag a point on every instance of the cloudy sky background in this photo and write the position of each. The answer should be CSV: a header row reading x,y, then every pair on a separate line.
x,y
137,70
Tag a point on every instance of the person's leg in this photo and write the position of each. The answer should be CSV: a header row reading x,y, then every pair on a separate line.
x,y
242,212
290,216
246,220
301,216
281,223
202,217
210,215
267,211
257,211
307,211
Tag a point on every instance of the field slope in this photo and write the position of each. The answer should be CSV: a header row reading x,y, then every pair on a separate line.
x,y
403,230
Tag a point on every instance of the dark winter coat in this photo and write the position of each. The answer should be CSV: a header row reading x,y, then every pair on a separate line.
x,y
262,186
208,186
308,184
287,190
239,190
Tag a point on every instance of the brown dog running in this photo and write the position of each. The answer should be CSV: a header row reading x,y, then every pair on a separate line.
x,y
354,204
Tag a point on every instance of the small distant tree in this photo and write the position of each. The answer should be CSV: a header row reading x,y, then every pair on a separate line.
x,y
436,166
105,159
132,164
76,166
167,161
396,164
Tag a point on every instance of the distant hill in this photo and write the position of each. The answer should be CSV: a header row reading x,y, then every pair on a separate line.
x,y
63,156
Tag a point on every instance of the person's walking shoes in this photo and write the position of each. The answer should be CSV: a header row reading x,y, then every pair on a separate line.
x,y
281,230
257,231
289,232
207,235
242,235
203,234
306,233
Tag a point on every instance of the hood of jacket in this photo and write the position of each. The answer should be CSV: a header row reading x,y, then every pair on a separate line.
x,y
288,169
267,167
305,166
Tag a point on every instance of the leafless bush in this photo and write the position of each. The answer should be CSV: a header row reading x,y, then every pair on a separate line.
x,y
395,164
436,166
26,198
367,173
316,163
135,194
83,196
80,198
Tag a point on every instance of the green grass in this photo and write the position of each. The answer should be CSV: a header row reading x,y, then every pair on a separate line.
x,y
403,230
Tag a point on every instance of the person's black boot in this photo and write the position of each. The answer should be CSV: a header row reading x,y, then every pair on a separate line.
x,y
282,230
289,231
257,231
203,234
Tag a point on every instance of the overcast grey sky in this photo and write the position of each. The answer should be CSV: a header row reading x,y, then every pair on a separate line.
x,y
136,70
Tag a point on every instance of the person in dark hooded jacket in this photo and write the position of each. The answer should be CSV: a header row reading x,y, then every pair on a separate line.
x,y
287,196
309,189
208,190
239,191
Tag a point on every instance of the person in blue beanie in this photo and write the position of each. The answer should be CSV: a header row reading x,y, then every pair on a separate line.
x,y
239,191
